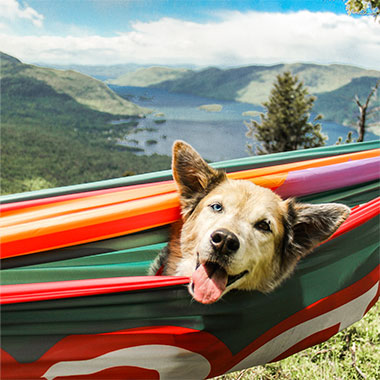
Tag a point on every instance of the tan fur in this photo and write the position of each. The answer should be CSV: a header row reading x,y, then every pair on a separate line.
x,y
264,258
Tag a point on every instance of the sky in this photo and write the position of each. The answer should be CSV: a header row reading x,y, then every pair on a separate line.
x,y
187,32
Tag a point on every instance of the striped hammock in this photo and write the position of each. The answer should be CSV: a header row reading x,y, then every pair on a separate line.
x,y
76,302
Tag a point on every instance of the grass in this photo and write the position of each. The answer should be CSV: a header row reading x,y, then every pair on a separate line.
x,y
351,354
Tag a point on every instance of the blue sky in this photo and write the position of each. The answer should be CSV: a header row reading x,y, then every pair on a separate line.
x,y
108,17
178,32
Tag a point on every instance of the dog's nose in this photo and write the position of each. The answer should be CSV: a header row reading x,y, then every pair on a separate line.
x,y
224,241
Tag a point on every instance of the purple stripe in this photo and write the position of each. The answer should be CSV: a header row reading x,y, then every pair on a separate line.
x,y
316,180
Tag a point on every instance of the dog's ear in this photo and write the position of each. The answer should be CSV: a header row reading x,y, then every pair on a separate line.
x,y
194,177
310,224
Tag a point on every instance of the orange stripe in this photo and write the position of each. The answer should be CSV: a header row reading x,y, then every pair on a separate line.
x,y
82,204
272,181
85,234
88,217
92,211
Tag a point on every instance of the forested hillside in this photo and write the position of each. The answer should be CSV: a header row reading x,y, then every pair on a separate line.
x,y
82,88
340,105
334,85
151,76
49,139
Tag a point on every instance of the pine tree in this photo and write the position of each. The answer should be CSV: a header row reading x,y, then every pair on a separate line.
x,y
285,125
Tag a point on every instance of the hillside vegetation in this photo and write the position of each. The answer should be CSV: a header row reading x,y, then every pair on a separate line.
x,y
145,77
252,84
50,139
335,85
85,90
345,108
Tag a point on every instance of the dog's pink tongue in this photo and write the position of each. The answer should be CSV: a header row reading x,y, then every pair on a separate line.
x,y
209,282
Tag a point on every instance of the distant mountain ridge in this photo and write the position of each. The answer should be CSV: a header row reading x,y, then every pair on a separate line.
x,y
252,84
83,89
100,72
334,85
151,76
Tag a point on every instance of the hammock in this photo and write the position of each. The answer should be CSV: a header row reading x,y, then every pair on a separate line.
x,y
76,302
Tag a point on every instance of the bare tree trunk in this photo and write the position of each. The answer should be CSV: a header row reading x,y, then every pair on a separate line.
x,y
363,108
362,118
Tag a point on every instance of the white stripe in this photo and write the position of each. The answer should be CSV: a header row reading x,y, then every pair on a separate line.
x,y
169,361
344,315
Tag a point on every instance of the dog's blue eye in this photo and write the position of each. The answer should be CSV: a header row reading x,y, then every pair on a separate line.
x,y
217,207
263,225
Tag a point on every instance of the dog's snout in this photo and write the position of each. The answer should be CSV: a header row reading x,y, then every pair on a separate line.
x,y
224,241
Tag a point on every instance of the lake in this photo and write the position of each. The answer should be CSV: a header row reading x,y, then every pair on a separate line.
x,y
216,135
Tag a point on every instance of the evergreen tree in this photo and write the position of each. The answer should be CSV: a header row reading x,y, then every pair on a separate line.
x,y
285,125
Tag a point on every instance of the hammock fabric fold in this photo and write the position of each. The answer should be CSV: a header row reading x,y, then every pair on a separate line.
x,y
76,302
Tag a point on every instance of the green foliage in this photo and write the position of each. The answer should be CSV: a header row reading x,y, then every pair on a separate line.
x,y
48,139
363,7
348,140
351,354
285,126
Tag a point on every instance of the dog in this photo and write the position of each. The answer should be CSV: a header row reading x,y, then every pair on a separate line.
x,y
235,234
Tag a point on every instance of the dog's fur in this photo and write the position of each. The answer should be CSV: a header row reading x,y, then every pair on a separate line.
x,y
237,235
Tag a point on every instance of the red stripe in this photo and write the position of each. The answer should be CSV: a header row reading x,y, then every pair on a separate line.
x,y
90,346
359,215
79,288
89,233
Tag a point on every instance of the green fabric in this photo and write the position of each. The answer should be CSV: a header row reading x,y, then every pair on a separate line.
x,y
350,196
239,319
129,262
136,240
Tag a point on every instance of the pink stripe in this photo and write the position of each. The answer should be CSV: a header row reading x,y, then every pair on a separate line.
x,y
316,180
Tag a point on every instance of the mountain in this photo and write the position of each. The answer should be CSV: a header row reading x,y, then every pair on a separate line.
x,y
339,104
50,139
100,72
107,73
145,77
84,89
334,85
252,84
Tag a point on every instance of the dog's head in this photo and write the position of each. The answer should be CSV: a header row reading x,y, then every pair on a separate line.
x,y
239,235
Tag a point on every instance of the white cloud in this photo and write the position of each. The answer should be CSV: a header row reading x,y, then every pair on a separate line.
x,y
236,39
11,10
